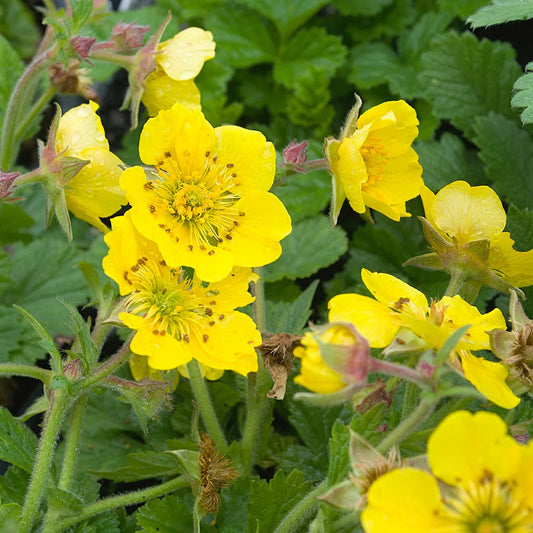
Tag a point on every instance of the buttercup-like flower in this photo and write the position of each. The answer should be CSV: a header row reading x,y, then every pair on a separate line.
x,y
208,206
373,164
398,305
487,479
178,60
177,317
466,231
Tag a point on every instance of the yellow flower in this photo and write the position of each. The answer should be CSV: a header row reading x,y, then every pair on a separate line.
x,y
374,166
465,216
208,206
178,61
398,305
318,376
487,479
94,192
177,317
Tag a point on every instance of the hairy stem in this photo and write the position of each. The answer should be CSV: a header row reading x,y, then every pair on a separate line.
x,y
27,371
207,411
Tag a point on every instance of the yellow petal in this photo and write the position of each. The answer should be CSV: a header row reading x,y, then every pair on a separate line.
x,y
177,134
489,379
255,241
183,56
315,374
80,128
428,200
351,171
514,267
162,92
372,319
232,291
468,213
393,211
251,156
164,351
94,192
405,500
468,447
394,292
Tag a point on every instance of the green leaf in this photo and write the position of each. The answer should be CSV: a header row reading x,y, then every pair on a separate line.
x,y
232,515
523,96
462,8
501,11
270,502
312,245
242,38
520,226
81,11
291,317
9,62
14,221
102,523
11,332
9,517
17,442
13,485
371,64
366,425
310,46
338,453
224,398
467,78
287,15
305,195
67,503
448,160
367,8
18,26
507,151
297,457
144,465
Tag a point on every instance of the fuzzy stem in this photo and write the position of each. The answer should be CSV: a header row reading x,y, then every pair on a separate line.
x,y
69,459
209,416
295,515
406,426
28,371
396,370
59,402
108,367
37,107
257,405
122,500
24,85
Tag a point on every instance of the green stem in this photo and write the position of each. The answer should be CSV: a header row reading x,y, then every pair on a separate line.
x,y
37,107
28,371
69,459
257,404
108,367
126,62
59,402
295,515
21,92
122,500
209,416
406,426
398,371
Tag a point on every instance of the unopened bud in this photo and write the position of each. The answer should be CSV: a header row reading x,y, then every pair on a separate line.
x,y
82,45
6,185
128,37
295,155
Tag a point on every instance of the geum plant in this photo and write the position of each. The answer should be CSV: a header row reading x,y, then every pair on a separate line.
x,y
187,234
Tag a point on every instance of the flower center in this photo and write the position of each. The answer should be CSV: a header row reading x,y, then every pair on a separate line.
x,y
166,298
489,507
375,158
192,201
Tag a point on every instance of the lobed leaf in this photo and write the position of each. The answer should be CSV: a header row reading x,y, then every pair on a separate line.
x,y
523,96
17,442
501,11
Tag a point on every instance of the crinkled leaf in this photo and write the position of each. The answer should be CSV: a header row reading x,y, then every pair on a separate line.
x,y
81,11
232,515
501,11
242,38
11,332
224,399
366,425
270,502
312,245
338,453
102,523
520,226
305,194
371,64
297,457
286,15
310,46
290,317
67,503
14,222
523,96
507,151
9,517
466,78
463,9
145,465
18,443
367,8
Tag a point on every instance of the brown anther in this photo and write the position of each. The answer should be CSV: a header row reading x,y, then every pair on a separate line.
x,y
167,154
230,165
233,175
167,230
207,153
134,268
205,337
241,213
211,252
190,247
161,225
212,302
151,208
221,317
208,311
202,247
212,323
235,222
163,262
155,332
186,338
162,333
177,239
164,291
401,302
148,186
229,237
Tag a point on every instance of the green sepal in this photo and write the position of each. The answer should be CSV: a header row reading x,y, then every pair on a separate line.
x,y
430,261
188,461
329,400
331,148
